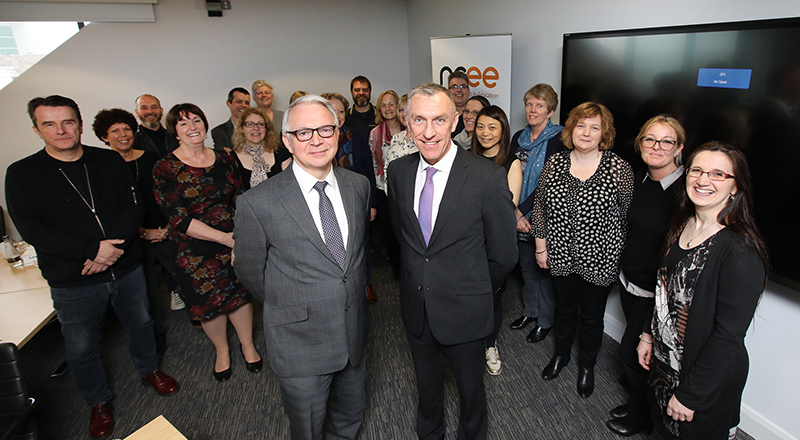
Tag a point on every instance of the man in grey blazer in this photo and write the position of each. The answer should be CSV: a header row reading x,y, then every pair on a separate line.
x,y
300,249
238,101
454,218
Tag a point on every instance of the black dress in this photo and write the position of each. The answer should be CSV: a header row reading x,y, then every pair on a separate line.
x,y
204,273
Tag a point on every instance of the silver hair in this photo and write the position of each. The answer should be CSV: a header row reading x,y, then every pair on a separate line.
x,y
308,99
430,89
261,83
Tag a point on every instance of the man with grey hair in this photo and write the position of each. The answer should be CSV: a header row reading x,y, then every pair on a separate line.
x,y
299,244
454,218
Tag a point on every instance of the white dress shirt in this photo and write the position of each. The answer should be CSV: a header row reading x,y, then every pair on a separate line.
x,y
307,182
443,167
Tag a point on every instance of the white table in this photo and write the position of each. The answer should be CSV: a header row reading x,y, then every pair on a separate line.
x,y
25,303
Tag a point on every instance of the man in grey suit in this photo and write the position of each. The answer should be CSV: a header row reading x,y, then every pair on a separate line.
x,y
300,249
454,217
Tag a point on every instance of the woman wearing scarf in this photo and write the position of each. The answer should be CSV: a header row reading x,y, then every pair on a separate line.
x,y
258,152
534,144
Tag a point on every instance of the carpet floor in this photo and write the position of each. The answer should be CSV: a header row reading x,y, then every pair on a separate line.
x,y
521,404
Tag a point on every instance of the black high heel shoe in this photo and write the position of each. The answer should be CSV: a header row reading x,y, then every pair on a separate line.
x,y
253,367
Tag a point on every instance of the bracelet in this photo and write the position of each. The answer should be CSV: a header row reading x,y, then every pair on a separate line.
x,y
144,233
539,253
646,342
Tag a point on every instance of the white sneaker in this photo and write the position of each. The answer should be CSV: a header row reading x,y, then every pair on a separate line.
x,y
493,364
175,302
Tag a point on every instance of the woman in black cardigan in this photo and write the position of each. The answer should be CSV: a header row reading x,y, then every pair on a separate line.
x,y
660,142
711,278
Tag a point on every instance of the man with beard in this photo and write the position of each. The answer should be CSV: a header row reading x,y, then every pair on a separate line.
x,y
361,116
458,84
238,101
152,136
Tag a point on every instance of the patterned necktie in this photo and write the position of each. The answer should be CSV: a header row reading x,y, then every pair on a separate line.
x,y
330,226
426,205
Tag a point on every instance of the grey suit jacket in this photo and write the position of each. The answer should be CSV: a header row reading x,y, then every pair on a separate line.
x,y
472,249
222,135
315,313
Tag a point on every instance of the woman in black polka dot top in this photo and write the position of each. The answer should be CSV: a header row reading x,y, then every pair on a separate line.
x,y
579,213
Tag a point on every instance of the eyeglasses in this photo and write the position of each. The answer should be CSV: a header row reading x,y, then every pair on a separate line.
x,y
459,86
470,112
665,144
305,134
716,175
255,124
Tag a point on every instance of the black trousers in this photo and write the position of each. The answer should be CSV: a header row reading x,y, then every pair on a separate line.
x,y
467,361
636,309
580,305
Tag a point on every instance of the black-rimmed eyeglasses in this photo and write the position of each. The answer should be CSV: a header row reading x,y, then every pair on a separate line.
x,y
305,134
665,144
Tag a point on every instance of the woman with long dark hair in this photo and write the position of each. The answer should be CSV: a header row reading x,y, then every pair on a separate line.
x,y
491,139
712,274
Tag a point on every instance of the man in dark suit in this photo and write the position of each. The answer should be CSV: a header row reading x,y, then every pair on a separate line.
x,y
238,101
300,248
454,217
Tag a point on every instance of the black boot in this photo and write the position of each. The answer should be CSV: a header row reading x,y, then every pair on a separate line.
x,y
585,381
552,369
629,425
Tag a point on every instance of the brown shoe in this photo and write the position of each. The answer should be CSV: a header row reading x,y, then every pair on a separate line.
x,y
101,422
162,383
371,296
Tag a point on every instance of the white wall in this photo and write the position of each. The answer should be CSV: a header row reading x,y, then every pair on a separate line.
x,y
185,56
769,409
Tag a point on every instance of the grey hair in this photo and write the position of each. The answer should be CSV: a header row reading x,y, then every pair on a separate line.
x,y
430,89
308,99
261,83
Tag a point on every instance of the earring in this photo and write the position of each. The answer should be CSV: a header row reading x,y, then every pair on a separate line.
x,y
731,196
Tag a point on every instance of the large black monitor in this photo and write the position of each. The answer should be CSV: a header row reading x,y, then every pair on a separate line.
x,y
733,82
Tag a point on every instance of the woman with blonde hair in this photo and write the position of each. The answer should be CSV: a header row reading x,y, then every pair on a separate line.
x,y
259,154
660,142
263,95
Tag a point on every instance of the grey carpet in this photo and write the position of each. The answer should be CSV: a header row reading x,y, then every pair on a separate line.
x,y
521,404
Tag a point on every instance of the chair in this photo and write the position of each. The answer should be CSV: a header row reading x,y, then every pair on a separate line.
x,y
16,408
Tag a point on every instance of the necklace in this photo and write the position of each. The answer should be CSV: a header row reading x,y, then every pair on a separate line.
x,y
91,196
689,243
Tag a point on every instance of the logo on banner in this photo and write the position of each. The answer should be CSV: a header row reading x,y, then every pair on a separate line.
x,y
488,76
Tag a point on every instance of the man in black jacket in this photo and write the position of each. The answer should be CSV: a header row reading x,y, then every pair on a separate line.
x,y
78,207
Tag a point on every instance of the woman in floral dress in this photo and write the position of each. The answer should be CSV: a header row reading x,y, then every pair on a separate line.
x,y
196,188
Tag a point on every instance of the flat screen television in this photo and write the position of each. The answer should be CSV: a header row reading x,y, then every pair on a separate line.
x,y
733,82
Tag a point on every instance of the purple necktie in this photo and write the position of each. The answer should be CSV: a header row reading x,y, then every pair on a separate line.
x,y
426,205
330,226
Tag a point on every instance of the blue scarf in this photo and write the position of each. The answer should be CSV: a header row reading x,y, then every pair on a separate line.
x,y
536,155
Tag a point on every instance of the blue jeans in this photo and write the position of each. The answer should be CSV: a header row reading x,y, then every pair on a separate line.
x,y
538,296
81,310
